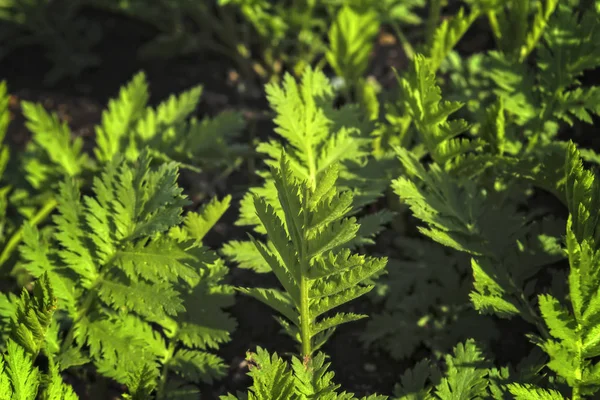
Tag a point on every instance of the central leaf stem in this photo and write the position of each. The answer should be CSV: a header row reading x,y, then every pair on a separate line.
x,y
305,322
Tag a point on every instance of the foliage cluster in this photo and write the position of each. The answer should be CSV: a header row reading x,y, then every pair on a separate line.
x,y
109,274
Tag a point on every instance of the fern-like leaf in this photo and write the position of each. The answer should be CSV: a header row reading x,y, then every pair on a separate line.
x,y
273,379
351,39
573,343
122,266
430,114
308,255
319,137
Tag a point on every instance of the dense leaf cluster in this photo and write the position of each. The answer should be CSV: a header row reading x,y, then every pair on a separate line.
x,y
105,255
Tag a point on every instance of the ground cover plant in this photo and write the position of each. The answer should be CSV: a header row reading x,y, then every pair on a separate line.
x,y
300,200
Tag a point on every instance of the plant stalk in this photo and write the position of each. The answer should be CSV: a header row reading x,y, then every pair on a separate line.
x,y
160,391
409,51
305,322
435,12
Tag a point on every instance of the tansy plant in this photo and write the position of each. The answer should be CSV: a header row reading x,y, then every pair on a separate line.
x,y
566,318
315,135
273,379
508,246
28,321
129,126
307,255
137,295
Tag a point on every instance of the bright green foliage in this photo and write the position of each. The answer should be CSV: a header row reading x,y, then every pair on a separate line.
x,y
447,35
430,114
470,213
351,39
141,383
426,302
33,317
273,379
122,280
119,119
574,343
475,195
582,199
536,96
539,97
120,266
55,154
419,91
11,197
20,379
467,375
516,32
530,392
469,210
318,136
31,334
130,125
196,225
307,255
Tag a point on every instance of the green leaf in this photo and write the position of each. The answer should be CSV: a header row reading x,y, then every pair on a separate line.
x,y
308,256
142,383
331,322
119,119
277,300
142,298
544,11
197,366
17,368
317,138
562,325
466,375
54,139
272,378
351,38
447,35
530,392
198,224
423,100
57,389
34,316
